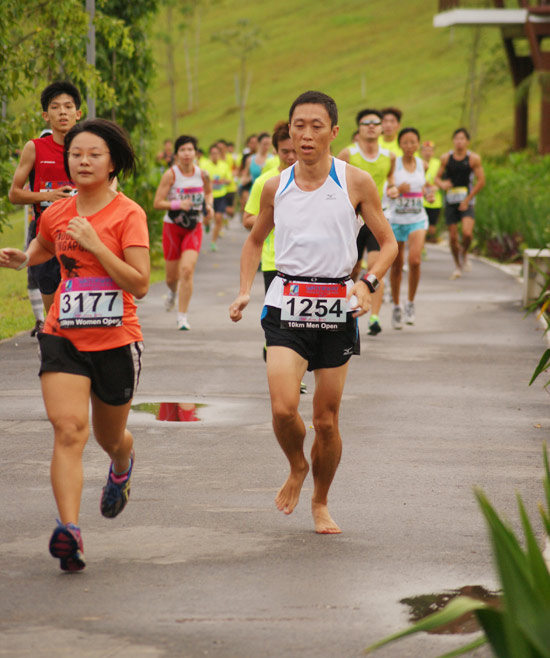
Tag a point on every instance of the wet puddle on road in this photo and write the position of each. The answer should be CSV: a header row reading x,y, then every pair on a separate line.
x,y
175,412
426,604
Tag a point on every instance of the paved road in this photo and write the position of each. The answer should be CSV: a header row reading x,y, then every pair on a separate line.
x,y
201,563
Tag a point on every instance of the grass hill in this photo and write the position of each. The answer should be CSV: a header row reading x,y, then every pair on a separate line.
x,y
365,53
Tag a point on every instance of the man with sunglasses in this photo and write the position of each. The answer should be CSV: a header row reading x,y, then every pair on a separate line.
x,y
368,155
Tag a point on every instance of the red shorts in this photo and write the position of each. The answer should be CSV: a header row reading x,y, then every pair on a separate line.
x,y
176,240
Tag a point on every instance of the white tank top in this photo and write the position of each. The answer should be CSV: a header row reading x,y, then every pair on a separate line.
x,y
315,232
408,208
187,187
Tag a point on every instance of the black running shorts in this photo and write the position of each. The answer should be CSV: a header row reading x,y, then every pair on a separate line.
x,y
47,275
114,373
321,349
366,240
453,215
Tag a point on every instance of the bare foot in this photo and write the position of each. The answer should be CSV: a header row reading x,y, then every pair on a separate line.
x,y
324,524
289,494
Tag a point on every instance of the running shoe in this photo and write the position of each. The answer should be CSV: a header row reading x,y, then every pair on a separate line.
x,y
66,544
213,246
184,325
374,326
397,317
409,313
37,328
170,300
117,491
303,388
456,274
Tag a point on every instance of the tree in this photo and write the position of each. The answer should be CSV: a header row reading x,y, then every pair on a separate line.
x,y
241,40
41,42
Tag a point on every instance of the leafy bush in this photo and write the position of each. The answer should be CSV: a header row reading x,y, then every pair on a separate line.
x,y
512,211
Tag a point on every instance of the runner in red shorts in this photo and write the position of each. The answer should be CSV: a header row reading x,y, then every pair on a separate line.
x,y
184,191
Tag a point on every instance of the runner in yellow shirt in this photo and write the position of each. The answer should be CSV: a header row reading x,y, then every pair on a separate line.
x,y
391,124
220,175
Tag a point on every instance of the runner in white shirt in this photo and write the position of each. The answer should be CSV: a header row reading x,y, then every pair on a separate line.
x,y
310,311
409,222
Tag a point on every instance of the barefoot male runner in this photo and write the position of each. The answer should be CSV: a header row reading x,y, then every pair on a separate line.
x,y
310,311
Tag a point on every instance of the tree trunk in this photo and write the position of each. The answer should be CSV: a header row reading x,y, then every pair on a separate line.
x,y
171,73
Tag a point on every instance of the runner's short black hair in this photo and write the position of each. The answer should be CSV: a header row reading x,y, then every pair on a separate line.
x,y
262,136
280,133
462,130
316,98
392,110
120,148
404,131
185,139
56,89
365,113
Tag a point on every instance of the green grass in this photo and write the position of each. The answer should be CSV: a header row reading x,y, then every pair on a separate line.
x,y
387,48
15,308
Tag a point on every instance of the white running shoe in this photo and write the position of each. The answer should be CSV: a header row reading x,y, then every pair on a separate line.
x,y
456,274
170,300
184,325
397,317
409,313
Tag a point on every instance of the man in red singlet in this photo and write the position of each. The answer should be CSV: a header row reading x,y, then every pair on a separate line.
x,y
42,162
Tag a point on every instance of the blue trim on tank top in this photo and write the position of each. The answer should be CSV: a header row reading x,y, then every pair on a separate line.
x,y
334,175
290,179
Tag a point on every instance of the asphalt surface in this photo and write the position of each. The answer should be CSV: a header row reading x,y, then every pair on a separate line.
x,y
201,563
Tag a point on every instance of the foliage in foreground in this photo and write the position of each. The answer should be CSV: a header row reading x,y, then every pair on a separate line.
x,y
519,627
512,211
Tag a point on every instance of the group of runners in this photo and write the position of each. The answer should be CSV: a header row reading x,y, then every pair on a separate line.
x,y
304,216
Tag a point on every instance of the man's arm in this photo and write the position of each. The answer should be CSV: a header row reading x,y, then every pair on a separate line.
x,y
252,248
475,163
438,180
364,197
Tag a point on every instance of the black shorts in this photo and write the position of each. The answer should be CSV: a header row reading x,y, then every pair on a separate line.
x,y
32,283
229,199
268,278
453,215
366,240
321,349
47,275
433,215
220,204
114,373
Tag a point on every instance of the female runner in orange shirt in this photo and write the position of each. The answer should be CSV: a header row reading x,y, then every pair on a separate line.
x,y
91,344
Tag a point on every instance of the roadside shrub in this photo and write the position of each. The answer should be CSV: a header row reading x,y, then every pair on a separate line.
x,y
512,211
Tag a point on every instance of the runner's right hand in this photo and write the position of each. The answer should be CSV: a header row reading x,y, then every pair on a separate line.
x,y
60,193
237,307
11,258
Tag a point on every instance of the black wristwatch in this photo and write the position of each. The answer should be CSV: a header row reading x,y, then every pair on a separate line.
x,y
370,281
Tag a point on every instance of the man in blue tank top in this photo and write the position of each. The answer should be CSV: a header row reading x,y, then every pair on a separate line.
x,y
461,177
310,311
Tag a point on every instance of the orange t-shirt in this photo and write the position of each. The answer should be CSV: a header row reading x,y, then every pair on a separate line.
x,y
89,308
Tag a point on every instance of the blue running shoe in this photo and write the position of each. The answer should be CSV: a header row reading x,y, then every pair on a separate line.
x,y
66,544
117,491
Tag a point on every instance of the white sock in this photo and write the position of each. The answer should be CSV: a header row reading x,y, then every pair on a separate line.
x,y
37,304
182,317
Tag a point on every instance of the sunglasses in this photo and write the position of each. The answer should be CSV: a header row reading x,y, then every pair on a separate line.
x,y
370,122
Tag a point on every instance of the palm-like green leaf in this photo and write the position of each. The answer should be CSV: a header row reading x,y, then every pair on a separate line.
x,y
452,611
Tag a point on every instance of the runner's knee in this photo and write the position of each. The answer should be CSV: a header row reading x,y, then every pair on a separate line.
x,y
70,431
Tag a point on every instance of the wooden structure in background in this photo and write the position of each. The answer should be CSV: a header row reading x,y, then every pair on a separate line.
x,y
531,22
